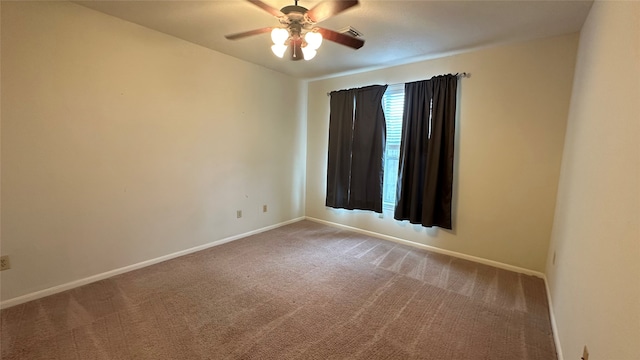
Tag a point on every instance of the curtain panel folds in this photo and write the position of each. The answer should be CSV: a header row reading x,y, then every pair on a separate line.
x,y
425,174
357,134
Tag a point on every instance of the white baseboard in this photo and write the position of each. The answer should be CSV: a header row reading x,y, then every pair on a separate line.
x,y
433,249
74,284
552,318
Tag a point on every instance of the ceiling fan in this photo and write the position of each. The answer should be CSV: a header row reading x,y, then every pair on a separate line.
x,y
298,28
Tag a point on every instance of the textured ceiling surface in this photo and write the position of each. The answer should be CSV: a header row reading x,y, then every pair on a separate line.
x,y
395,31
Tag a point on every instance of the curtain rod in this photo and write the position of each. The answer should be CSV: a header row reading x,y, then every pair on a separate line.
x,y
461,75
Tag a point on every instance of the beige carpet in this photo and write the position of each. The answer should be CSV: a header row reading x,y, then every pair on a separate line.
x,y
302,291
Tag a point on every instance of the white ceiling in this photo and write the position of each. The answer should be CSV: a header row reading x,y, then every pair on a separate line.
x,y
395,31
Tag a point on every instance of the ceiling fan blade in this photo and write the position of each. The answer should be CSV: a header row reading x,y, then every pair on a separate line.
x,y
268,8
341,39
296,49
329,8
248,33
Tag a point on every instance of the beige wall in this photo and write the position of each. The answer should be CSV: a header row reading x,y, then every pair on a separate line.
x,y
595,282
121,144
512,117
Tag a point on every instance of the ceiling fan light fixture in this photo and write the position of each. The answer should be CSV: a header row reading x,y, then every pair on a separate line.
x,y
279,36
313,39
279,49
308,53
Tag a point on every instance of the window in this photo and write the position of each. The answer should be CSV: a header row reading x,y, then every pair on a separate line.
x,y
393,106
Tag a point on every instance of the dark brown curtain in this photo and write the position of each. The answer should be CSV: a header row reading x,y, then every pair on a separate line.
x,y
425,174
340,137
356,149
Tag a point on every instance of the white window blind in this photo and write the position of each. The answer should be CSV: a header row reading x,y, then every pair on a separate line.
x,y
393,105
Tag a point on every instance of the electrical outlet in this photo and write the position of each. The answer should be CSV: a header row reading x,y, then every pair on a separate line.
x,y
239,214
4,263
585,353
264,208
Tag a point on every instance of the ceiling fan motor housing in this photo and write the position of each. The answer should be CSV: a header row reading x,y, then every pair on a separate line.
x,y
292,9
295,19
